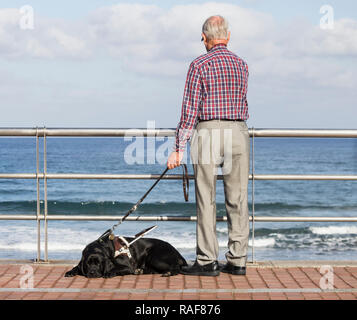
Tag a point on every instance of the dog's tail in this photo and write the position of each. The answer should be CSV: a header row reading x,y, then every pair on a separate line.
x,y
176,269
182,262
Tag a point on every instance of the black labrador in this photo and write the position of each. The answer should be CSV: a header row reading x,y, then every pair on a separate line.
x,y
103,258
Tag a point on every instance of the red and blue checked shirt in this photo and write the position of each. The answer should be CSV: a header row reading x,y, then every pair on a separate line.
x,y
216,88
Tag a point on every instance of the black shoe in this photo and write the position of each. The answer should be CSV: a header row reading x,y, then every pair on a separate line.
x,y
236,270
211,269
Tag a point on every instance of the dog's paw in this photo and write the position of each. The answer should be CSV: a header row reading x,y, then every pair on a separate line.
x,y
108,275
167,274
138,271
73,272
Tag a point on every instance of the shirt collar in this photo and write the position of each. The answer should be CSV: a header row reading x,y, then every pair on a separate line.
x,y
218,46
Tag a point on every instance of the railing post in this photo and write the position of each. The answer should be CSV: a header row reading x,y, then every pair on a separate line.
x,y
38,199
45,190
253,258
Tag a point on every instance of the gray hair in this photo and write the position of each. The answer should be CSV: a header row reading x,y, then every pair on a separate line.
x,y
215,28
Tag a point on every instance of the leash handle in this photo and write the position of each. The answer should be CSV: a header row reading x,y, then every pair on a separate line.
x,y
185,182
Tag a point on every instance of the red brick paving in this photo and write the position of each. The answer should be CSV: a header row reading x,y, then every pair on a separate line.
x,y
261,283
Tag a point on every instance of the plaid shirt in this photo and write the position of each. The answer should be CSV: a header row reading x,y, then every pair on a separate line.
x,y
216,88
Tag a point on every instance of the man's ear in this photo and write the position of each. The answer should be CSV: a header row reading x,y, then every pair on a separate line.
x,y
229,36
204,37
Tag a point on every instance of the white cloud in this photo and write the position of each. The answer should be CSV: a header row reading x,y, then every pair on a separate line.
x,y
49,39
339,41
151,40
287,60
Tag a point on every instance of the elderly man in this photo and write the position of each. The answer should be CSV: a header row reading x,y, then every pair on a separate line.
x,y
214,111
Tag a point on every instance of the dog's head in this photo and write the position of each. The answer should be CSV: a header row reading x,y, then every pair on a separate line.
x,y
99,260
93,266
94,263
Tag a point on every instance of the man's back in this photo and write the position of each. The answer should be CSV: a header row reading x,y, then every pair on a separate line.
x,y
216,88
224,79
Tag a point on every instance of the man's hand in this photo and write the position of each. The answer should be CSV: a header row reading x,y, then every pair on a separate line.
x,y
174,159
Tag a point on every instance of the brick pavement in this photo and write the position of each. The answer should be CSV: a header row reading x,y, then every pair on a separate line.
x,y
261,283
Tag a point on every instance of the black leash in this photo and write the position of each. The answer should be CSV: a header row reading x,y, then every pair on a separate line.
x,y
185,183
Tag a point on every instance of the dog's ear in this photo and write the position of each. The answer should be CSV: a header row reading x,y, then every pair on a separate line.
x,y
82,266
107,265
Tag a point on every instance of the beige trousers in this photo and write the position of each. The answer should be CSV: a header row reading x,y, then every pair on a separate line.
x,y
225,144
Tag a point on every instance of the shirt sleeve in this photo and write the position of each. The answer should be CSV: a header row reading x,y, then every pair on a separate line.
x,y
190,106
246,86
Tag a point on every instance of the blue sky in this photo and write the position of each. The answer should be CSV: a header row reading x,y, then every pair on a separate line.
x,y
280,9
123,63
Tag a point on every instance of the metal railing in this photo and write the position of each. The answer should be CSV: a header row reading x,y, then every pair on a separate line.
x,y
83,132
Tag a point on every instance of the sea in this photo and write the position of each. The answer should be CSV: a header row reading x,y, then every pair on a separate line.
x,y
119,155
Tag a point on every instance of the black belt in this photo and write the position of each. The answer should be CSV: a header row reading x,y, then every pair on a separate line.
x,y
239,120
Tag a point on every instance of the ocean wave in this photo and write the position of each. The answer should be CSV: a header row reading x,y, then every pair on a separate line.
x,y
58,246
334,230
52,246
261,232
67,240
262,242
70,241
161,207
98,207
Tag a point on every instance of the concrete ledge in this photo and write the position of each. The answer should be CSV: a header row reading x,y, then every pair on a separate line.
x,y
303,263
256,264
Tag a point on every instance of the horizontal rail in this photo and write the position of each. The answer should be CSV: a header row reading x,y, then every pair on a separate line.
x,y
305,133
120,132
168,177
303,177
171,218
